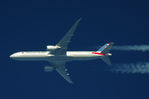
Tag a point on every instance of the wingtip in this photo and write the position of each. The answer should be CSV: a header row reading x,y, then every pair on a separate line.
x,y
79,19
71,82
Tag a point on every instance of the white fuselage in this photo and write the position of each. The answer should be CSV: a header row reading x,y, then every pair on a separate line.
x,y
46,56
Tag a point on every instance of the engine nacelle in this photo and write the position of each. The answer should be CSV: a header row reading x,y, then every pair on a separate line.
x,y
51,47
48,68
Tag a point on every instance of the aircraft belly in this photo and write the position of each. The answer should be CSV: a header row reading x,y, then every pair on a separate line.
x,y
59,58
33,57
45,56
82,55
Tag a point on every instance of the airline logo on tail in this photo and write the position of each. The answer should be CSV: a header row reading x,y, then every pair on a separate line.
x,y
107,45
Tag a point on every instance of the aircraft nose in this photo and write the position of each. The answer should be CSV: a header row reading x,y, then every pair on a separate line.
x,y
12,56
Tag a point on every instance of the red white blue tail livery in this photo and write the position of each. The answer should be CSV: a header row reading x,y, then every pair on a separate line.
x,y
104,52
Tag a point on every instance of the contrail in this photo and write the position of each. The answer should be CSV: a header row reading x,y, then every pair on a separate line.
x,y
142,48
133,68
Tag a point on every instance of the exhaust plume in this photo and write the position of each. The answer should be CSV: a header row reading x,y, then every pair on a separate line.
x,y
142,48
132,68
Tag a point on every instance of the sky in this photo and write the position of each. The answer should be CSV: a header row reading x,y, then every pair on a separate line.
x,y
33,24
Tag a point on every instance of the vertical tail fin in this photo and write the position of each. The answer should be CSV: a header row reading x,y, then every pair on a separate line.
x,y
105,50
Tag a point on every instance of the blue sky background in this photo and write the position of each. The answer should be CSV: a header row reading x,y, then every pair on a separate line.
x,y
33,24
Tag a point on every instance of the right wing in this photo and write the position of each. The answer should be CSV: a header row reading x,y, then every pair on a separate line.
x,y
61,69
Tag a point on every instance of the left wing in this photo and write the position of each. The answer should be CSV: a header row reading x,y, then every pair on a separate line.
x,y
61,69
66,39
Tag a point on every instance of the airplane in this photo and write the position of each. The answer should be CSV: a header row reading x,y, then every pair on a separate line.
x,y
58,55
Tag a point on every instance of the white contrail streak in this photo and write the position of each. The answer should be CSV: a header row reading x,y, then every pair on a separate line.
x,y
131,68
131,48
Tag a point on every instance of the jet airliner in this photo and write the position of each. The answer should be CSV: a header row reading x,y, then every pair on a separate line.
x,y
57,55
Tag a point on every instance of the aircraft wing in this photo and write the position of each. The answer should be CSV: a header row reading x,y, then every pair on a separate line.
x,y
66,39
61,69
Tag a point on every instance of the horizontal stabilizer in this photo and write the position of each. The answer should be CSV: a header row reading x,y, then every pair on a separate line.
x,y
106,60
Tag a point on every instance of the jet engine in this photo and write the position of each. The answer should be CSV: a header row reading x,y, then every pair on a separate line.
x,y
48,68
51,47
